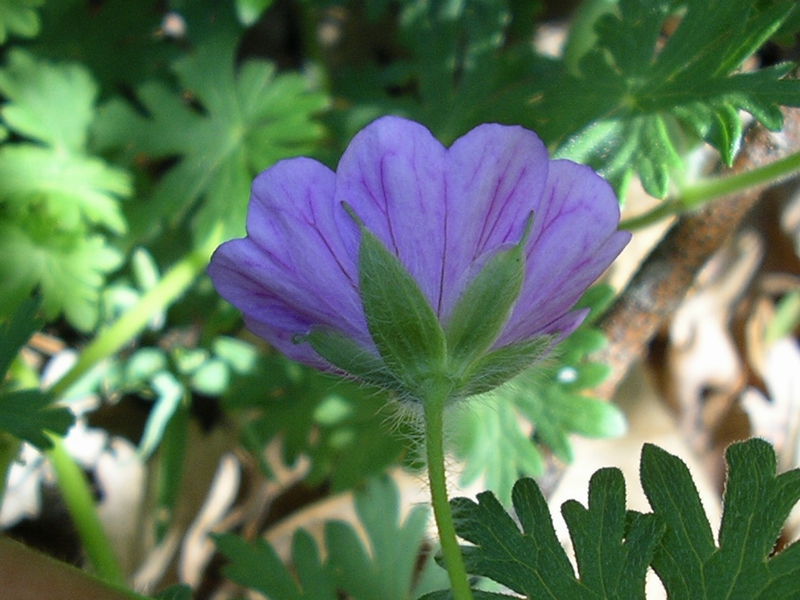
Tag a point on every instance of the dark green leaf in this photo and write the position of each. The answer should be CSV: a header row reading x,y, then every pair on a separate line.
x,y
757,502
28,414
251,117
258,567
643,98
16,332
612,552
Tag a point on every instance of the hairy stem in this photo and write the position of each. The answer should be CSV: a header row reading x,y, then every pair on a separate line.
x,y
434,441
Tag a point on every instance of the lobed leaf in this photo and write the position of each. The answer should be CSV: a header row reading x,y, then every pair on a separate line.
x,y
613,550
756,504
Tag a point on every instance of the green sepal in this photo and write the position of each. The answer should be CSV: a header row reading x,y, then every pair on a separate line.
x,y
501,365
485,306
352,358
400,319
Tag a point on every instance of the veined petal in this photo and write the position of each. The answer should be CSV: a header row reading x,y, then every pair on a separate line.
x,y
392,175
573,241
292,270
495,178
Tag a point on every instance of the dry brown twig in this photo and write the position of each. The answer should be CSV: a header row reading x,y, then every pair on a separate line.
x,y
667,274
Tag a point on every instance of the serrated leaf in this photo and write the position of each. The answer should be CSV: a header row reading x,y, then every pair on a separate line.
x,y
645,98
71,188
386,570
491,441
258,567
612,552
493,436
52,104
28,414
756,504
250,118
18,17
70,271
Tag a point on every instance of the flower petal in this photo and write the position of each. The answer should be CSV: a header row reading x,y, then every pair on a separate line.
x,y
574,239
292,270
495,176
392,175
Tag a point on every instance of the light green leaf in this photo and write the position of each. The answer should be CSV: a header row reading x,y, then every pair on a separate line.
x,y
19,17
258,567
169,394
385,570
70,271
71,188
53,104
249,11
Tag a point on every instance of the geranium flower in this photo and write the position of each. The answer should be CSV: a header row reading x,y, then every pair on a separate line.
x,y
498,241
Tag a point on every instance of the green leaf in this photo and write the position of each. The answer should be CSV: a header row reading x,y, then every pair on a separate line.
x,y
28,414
19,17
385,570
401,321
492,443
389,569
16,332
169,394
70,270
239,122
756,504
249,11
52,104
644,100
612,548
71,188
54,193
493,436
258,567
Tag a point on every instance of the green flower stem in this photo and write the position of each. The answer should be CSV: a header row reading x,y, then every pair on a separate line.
x,y
171,287
77,496
434,441
711,189
71,481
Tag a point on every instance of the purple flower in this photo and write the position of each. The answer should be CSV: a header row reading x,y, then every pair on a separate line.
x,y
443,212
